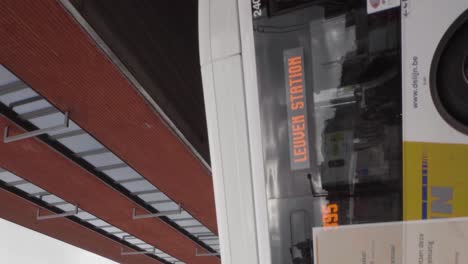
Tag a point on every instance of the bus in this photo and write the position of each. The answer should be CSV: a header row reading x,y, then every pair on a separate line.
x,y
329,113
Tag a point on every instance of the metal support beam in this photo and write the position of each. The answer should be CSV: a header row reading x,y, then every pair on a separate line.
x,y
130,180
59,203
183,219
211,242
202,234
145,192
40,194
16,183
39,113
12,87
52,216
117,232
25,101
192,226
128,237
203,238
198,254
140,244
206,235
159,202
92,152
166,213
68,134
91,219
132,253
38,132
112,167
209,238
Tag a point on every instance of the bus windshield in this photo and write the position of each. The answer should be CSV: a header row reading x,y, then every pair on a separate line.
x,y
329,80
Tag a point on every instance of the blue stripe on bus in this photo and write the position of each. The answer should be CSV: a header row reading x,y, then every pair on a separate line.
x,y
424,193
424,210
425,176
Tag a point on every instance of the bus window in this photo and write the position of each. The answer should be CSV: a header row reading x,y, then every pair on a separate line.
x,y
329,80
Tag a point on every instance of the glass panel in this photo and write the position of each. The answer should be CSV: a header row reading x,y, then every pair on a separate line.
x,y
71,127
103,159
137,186
187,222
134,241
29,188
183,215
197,229
153,197
80,143
67,207
51,199
145,246
85,216
211,242
48,121
122,173
97,223
17,96
31,107
121,235
6,76
111,229
7,176
166,206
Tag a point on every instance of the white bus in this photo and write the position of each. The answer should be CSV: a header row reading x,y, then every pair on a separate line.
x,y
332,112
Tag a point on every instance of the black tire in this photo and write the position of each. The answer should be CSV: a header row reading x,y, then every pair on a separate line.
x,y
449,75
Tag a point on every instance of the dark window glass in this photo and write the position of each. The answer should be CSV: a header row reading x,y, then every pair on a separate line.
x,y
329,78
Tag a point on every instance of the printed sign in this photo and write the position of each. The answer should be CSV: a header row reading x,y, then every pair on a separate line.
x,y
420,242
259,8
435,182
374,6
297,108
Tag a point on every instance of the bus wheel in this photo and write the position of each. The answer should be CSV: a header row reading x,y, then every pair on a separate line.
x,y
449,75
